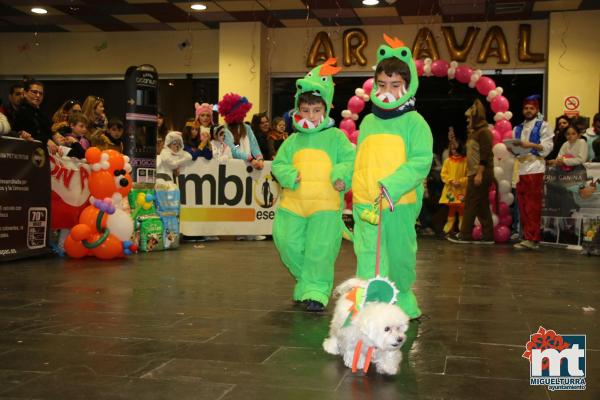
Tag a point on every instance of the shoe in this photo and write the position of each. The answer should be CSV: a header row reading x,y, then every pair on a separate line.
x,y
314,306
514,237
258,237
427,232
212,238
458,239
241,237
526,245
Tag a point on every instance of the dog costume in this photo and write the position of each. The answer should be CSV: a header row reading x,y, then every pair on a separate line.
x,y
308,223
394,152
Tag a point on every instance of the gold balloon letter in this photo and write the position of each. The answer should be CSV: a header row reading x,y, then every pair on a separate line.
x,y
500,50
459,52
316,53
425,37
524,42
354,51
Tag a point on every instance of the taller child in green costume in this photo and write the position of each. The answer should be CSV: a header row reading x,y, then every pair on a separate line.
x,y
314,167
394,153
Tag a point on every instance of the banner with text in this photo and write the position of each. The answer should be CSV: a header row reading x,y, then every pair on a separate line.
x,y
70,191
24,199
227,199
571,209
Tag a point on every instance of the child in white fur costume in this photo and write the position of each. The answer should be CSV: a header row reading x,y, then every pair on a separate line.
x,y
171,158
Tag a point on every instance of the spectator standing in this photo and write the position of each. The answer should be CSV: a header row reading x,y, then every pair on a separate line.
x,y
261,128
16,95
93,108
591,135
560,136
30,122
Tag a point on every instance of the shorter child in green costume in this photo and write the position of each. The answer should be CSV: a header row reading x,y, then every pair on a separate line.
x,y
314,167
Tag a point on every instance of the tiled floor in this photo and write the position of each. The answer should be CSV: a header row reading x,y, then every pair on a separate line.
x,y
217,323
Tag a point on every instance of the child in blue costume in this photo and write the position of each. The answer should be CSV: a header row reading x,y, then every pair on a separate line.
x,y
314,167
394,153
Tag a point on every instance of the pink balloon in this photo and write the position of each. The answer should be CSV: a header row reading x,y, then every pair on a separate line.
x,y
348,125
507,134
356,104
492,196
354,136
506,220
503,126
419,65
504,210
484,85
477,232
345,132
501,233
439,68
496,137
368,85
463,74
499,103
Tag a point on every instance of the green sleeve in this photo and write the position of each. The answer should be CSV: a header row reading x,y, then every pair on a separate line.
x,y
282,166
419,155
344,166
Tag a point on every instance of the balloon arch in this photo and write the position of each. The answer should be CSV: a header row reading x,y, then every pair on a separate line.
x,y
502,130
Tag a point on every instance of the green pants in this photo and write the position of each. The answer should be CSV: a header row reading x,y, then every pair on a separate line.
x,y
398,251
308,248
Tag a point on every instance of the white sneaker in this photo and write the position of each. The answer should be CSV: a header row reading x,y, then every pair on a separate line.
x,y
526,245
212,238
258,237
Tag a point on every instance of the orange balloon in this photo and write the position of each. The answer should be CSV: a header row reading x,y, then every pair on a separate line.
x,y
92,155
88,217
109,249
102,184
80,232
115,159
75,249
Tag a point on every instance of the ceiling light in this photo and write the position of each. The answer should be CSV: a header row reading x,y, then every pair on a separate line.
x,y
39,10
198,7
370,2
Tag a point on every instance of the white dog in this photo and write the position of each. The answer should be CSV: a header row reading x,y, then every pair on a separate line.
x,y
378,325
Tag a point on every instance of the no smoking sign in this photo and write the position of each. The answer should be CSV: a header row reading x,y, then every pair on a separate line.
x,y
571,103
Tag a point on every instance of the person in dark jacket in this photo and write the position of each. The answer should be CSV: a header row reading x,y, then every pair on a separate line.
x,y
261,127
30,122
480,175
15,98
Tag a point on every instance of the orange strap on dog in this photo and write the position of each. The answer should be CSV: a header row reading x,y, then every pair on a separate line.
x,y
356,357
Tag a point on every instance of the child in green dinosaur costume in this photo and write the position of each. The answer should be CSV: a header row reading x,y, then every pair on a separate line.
x,y
314,167
393,157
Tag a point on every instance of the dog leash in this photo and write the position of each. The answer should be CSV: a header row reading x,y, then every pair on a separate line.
x,y
359,344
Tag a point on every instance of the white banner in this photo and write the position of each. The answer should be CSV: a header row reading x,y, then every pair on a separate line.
x,y
227,199
70,191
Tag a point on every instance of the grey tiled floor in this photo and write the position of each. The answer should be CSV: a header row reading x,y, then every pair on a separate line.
x,y
217,323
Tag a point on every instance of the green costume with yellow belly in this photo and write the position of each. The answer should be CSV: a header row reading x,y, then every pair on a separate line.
x,y
394,151
308,224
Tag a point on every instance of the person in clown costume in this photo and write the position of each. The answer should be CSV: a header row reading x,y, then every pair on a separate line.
x,y
393,157
314,167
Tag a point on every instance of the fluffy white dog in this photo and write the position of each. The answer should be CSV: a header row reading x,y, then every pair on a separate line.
x,y
378,325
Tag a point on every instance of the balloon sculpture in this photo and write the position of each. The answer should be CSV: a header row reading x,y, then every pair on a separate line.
x,y
104,229
502,130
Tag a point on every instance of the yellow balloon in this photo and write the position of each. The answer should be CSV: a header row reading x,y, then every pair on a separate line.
x,y
147,206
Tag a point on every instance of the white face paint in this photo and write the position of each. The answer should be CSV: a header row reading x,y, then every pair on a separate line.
x,y
389,97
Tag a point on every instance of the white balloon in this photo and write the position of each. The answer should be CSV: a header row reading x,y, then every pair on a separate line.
x,y
359,92
454,64
366,97
354,117
346,114
472,84
427,68
498,172
508,198
500,150
495,219
477,221
508,115
499,90
504,186
499,116
120,224
427,61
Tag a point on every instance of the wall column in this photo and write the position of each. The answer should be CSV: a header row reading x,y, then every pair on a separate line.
x,y
573,59
242,63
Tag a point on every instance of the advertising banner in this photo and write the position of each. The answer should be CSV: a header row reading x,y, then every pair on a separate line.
x,y
24,199
571,209
227,199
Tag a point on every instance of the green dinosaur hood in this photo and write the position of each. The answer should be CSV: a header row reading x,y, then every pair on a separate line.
x,y
396,48
318,82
